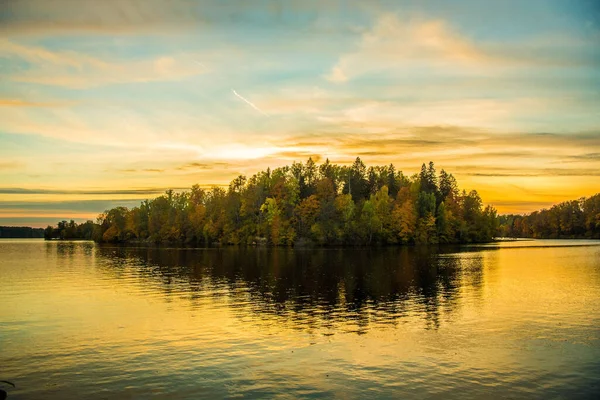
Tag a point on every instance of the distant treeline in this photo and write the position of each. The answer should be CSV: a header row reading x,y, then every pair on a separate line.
x,y
20,232
575,219
305,203
70,230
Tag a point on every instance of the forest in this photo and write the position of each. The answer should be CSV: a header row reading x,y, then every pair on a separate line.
x,y
304,204
574,219
20,232
71,231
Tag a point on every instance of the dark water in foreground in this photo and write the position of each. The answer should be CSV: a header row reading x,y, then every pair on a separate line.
x,y
509,320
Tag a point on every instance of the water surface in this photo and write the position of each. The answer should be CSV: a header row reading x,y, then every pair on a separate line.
x,y
511,320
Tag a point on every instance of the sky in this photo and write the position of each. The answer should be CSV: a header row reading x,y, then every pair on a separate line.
x,y
108,103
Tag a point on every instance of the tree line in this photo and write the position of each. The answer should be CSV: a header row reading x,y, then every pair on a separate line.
x,y
574,219
20,232
304,203
71,230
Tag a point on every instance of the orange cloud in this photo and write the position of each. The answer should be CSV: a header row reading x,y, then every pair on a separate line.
x,y
46,214
28,103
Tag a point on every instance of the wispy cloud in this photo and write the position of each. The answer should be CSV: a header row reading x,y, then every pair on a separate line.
x,y
401,45
585,157
395,44
126,16
200,165
547,172
300,156
517,207
78,70
145,17
239,96
531,154
10,165
148,191
30,103
76,206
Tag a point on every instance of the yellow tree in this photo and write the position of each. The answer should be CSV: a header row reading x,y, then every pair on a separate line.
x,y
306,213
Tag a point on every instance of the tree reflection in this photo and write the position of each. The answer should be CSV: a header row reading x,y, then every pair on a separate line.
x,y
349,288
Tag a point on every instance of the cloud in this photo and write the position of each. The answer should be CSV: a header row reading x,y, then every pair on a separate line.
x,y
585,157
77,70
84,124
337,74
147,130
415,46
11,165
199,165
448,137
531,154
63,16
76,206
395,44
518,172
29,103
296,155
191,166
502,113
518,207
41,17
149,191
310,102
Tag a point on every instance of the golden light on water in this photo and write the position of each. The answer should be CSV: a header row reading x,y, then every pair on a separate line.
x,y
137,318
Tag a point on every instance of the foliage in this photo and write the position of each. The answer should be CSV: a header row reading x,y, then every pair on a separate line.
x,y
71,230
325,204
568,220
15,232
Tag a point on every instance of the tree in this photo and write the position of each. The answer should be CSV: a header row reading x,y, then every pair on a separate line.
x,y
369,220
441,223
329,171
426,232
310,172
356,183
448,186
49,233
428,179
382,203
404,221
273,219
392,181
425,204
304,201
344,206
306,214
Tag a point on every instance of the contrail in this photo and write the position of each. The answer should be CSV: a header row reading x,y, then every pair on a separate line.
x,y
249,103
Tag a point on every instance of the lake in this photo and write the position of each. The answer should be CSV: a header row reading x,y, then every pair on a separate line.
x,y
504,320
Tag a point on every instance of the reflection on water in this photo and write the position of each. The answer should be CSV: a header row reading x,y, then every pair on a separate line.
x,y
516,320
309,288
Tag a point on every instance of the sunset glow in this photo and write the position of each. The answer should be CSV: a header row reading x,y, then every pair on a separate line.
x,y
107,103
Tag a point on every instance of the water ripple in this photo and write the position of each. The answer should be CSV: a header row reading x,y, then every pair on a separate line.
x,y
87,321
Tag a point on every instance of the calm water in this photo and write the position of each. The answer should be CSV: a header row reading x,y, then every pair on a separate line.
x,y
509,320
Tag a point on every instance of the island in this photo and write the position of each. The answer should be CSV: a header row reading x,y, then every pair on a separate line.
x,y
328,204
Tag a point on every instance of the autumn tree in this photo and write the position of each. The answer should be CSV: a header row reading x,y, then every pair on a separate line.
x,y
326,204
